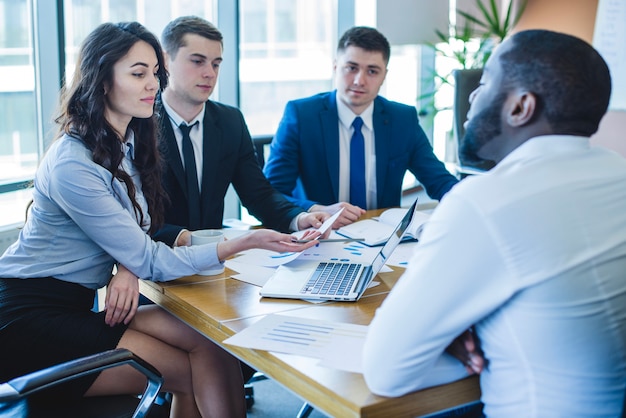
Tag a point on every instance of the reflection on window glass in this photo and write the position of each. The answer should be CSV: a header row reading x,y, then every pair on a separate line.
x,y
286,52
286,18
82,16
18,123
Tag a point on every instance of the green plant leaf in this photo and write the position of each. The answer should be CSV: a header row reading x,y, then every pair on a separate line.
x,y
469,18
472,43
492,19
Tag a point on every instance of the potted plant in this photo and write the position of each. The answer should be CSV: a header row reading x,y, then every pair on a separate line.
x,y
466,47
473,41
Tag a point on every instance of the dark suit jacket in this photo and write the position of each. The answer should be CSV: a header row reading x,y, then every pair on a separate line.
x,y
228,157
304,154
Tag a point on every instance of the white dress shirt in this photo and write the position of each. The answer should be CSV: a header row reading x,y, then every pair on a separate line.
x,y
534,254
195,135
346,117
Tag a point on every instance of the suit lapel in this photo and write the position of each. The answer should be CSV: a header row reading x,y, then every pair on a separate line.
x,y
330,137
382,135
212,143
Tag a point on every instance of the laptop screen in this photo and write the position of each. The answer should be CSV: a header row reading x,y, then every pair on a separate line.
x,y
393,241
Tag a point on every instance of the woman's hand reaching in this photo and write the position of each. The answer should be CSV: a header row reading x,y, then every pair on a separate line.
x,y
265,239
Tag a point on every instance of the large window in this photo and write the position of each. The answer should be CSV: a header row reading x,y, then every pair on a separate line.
x,y
22,124
18,120
286,52
82,16
18,116
275,51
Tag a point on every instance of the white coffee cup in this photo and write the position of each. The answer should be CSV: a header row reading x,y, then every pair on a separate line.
x,y
207,236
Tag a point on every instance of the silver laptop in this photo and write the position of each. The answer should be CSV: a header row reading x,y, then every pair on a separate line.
x,y
332,280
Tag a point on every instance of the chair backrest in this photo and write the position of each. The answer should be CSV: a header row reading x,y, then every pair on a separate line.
x,y
260,143
465,82
14,394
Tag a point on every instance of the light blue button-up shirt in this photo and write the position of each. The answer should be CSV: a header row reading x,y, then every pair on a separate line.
x,y
82,222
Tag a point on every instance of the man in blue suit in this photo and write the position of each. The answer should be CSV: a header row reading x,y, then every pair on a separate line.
x,y
310,158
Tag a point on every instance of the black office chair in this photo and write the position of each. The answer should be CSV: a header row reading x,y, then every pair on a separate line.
x,y
15,394
465,82
260,142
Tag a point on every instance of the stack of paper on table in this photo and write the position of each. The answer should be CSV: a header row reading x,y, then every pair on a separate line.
x,y
377,231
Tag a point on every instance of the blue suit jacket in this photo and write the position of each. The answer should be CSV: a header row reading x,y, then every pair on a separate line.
x,y
304,154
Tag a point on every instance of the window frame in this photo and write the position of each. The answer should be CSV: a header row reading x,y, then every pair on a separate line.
x,y
48,35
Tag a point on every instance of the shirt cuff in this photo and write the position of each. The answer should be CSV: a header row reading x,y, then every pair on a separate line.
x,y
293,226
175,244
205,256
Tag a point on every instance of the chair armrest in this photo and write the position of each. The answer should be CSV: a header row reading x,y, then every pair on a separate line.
x,y
26,385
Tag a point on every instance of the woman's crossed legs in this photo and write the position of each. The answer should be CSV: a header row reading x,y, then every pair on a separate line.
x,y
204,379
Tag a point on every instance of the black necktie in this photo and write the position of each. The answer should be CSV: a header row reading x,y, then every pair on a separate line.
x,y
191,173
357,165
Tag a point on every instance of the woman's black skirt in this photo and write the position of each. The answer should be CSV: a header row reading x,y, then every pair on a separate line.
x,y
45,321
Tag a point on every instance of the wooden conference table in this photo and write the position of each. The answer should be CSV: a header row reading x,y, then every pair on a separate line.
x,y
219,306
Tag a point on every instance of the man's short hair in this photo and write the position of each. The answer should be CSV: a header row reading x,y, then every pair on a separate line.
x,y
366,38
569,77
172,37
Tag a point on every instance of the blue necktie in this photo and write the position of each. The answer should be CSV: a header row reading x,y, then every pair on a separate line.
x,y
191,174
357,165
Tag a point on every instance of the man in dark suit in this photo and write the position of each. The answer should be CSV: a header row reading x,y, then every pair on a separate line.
x,y
310,156
223,153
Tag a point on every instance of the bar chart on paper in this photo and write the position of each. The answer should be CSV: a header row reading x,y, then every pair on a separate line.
x,y
337,345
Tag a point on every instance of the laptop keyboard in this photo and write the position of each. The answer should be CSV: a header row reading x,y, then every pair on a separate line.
x,y
331,279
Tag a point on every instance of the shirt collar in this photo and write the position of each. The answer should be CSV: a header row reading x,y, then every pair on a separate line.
x,y
544,146
128,146
177,119
346,116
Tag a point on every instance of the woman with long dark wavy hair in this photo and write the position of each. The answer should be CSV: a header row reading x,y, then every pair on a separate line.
x,y
97,197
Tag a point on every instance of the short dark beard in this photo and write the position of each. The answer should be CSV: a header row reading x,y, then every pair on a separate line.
x,y
481,129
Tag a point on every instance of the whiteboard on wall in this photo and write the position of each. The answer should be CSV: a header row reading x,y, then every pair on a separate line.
x,y
609,39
